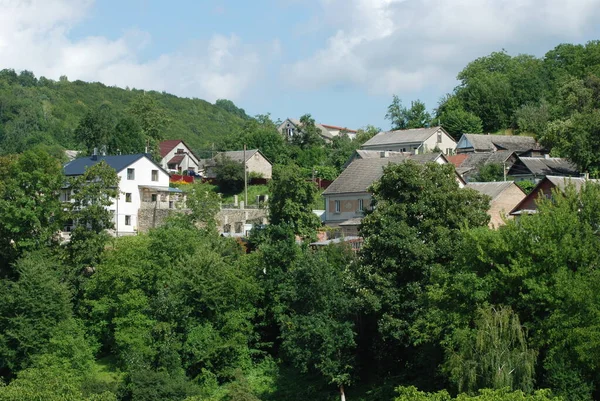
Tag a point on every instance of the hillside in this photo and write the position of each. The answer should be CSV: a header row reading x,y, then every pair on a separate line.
x,y
44,111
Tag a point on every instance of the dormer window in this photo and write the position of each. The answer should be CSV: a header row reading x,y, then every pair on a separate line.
x,y
179,150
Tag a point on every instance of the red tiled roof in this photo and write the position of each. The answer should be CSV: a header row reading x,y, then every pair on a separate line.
x,y
338,128
167,146
457,160
176,159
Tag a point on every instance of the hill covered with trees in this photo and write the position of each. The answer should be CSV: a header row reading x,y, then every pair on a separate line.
x,y
42,111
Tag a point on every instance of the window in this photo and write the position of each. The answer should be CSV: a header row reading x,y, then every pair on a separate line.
x,y
154,175
171,166
171,205
337,206
154,197
360,205
179,150
127,220
439,137
131,174
128,197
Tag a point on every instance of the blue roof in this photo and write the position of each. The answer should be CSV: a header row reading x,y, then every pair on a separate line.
x,y
120,162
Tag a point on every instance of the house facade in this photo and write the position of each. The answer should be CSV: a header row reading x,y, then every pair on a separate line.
x,y
143,184
505,195
347,198
415,141
255,161
292,126
177,156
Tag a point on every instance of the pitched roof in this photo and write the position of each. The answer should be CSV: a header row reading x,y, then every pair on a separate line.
x,y
237,155
490,143
415,135
334,127
492,189
120,162
176,159
540,166
324,131
457,160
361,173
166,146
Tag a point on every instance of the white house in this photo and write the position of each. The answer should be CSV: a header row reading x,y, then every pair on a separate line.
x,y
415,141
142,184
177,156
292,126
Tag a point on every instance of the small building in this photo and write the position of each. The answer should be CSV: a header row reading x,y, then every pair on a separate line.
x,y
468,165
545,189
347,198
176,156
291,127
142,184
256,162
370,154
505,195
536,168
486,143
415,141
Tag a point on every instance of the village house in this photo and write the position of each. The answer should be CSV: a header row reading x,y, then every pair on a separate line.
x,y
415,141
536,168
142,184
256,163
505,195
347,198
177,156
292,126
485,143
545,189
468,165
370,154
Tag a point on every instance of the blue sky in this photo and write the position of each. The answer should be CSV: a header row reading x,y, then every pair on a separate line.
x,y
340,60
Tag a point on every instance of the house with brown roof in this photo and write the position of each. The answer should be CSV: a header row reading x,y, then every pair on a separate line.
x,y
415,141
347,198
177,156
545,189
505,195
536,168
486,143
255,161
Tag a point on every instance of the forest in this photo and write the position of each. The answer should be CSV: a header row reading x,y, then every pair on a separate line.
x,y
436,306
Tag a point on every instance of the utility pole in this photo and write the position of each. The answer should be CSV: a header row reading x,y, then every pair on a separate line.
x,y
245,179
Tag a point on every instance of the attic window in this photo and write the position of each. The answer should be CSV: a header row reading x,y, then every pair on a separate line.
x,y
179,150
439,137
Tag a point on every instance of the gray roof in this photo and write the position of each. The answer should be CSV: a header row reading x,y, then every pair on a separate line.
x,y
492,189
361,173
373,154
562,182
490,143
237,155
120,162
541,166
415,135
476,160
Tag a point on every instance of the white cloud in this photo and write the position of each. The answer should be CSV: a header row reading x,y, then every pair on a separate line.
x,y
34,35
394,46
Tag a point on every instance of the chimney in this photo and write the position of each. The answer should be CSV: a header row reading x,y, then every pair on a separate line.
x,y
95,154
383,154
546,156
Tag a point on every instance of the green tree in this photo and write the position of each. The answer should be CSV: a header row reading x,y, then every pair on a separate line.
x,y
495,355
413,230
91,195
402,118
455,119
152,118
230,107
490,173
230,175
204,205
96,128
128,138
30,210
308,134
291,200
412,394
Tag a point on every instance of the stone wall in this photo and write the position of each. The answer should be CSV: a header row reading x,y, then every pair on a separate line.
x,y
228,220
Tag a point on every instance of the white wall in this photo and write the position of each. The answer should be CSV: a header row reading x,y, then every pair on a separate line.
x,y
143,176
399,147
188,161
258,164
447,143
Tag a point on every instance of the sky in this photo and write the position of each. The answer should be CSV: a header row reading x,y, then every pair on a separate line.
x,y
339,60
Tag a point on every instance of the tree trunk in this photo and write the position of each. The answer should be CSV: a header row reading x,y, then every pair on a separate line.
x,y
342,394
